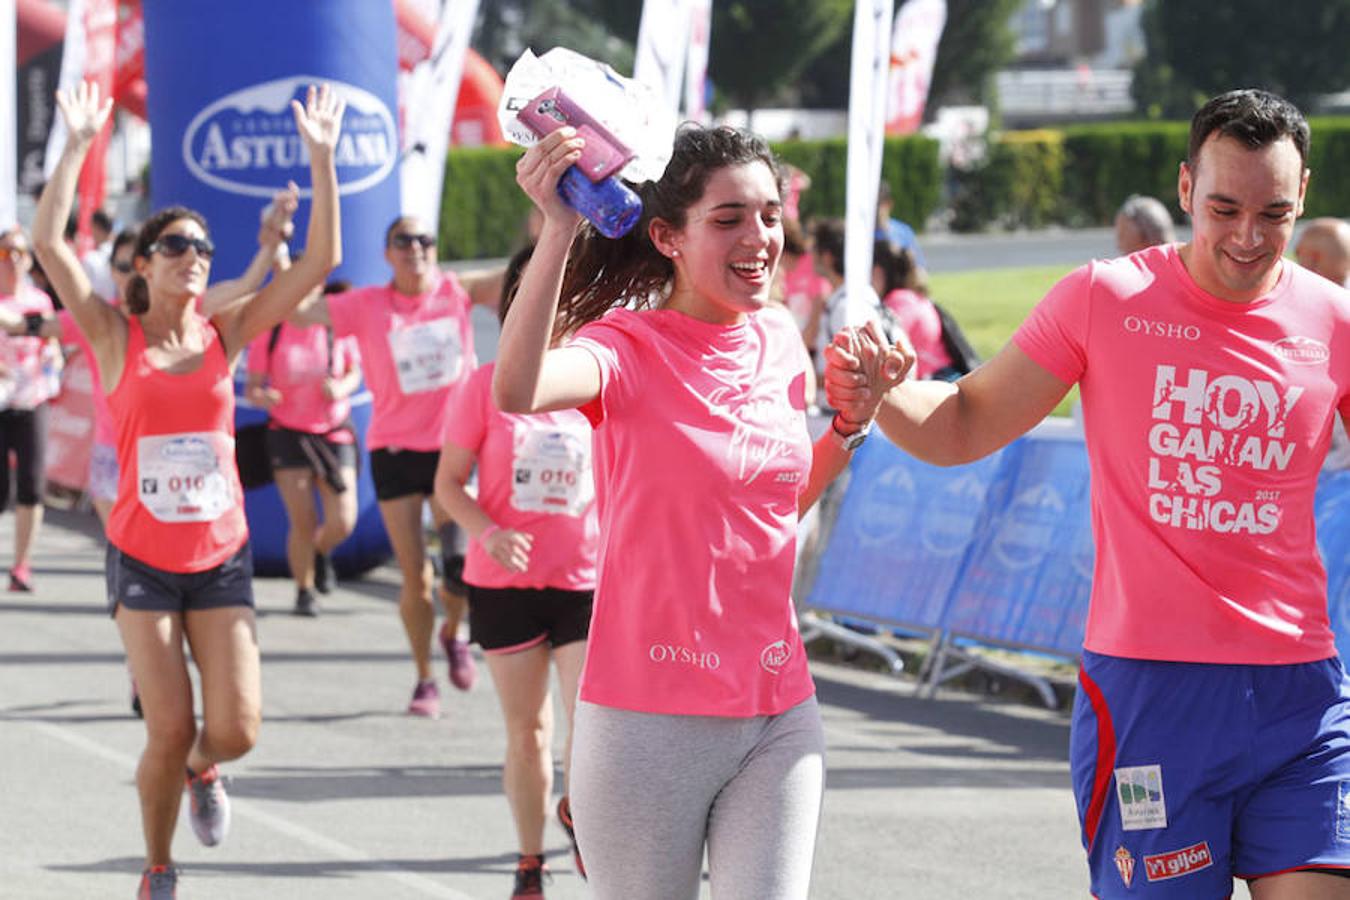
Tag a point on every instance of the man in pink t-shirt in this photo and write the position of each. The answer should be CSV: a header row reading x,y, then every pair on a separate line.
x,y
1210,734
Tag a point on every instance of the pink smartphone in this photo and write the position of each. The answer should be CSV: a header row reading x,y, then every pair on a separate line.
x,y
602,156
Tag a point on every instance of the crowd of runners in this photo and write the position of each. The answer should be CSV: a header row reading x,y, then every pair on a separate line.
x,y
665,376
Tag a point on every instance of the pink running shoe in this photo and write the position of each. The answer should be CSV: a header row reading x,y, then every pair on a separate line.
x,y
210,807
158,883
426,700
463,670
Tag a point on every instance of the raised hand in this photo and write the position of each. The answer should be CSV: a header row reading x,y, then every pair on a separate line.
x,y
319,120
277,226
538,171
83,110
861,366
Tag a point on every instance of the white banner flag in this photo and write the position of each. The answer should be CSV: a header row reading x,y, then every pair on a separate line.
x,y
663,39
918,29
866,133
429,96
9,115
696,60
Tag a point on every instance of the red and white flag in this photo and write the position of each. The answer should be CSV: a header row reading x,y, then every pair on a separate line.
x,y
89,54
914,44
696,60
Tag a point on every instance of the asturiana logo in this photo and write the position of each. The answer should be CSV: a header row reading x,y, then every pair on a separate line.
x,y
246,142
1303,350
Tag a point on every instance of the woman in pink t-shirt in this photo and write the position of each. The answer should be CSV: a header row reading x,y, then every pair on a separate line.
x,y
696,724
28,366
416,344
530,570
179,570
303,377
898,281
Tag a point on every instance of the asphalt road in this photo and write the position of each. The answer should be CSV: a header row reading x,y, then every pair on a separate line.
x,y
346,797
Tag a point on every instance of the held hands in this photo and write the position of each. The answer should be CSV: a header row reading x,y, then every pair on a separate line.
x,y
510,549
538,171
319,121
84,111
861,368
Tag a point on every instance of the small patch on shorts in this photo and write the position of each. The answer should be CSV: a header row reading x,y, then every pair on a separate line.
x,y
1140,791
1343,811
1186,861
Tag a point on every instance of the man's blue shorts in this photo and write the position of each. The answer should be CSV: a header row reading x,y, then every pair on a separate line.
x,y
1188,774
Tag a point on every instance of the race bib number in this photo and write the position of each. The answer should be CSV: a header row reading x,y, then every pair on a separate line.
x,y
185,477
552,469
427,355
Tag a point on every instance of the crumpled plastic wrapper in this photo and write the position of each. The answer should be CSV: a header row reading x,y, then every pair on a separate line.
x,y
629,109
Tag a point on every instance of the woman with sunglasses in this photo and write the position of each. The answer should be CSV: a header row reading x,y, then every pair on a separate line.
x,y
28,363
179,566
416,344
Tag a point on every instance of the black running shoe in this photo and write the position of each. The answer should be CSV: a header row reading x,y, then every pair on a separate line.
x,y
323,573
305,603
530,874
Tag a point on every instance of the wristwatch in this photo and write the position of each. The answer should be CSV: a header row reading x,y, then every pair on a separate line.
x,y
852,440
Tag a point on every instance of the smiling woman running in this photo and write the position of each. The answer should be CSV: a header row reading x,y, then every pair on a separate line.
x,y
179,565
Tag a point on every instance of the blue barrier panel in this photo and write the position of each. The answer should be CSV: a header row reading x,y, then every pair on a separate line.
x,y
1332,510
897,546
1000,550
1027,577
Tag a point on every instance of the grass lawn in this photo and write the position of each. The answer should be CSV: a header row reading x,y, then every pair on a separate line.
x,y
991,303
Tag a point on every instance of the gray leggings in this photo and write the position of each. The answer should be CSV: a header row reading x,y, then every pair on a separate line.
x,y
648,791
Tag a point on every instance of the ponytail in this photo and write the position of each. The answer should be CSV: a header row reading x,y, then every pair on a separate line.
x,y
138,295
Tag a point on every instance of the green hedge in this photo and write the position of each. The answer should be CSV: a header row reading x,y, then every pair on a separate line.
x,y
1075,176
908,164
483,210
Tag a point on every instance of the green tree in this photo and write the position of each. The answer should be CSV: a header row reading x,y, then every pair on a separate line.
x,y
1197,50
975,42
761,47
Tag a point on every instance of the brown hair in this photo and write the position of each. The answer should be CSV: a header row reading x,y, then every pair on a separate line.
x,y
138,292
1254,117
602,273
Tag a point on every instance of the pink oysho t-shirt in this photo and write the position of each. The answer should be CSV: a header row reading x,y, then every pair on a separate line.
x,y
413,350
71,334
26,357
920,319
297,366
701,453
1206,425
534,476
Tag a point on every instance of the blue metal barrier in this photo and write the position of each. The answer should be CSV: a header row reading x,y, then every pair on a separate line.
x,y
1000,550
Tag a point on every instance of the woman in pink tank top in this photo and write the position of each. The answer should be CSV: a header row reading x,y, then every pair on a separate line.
x,y
178,560
696,706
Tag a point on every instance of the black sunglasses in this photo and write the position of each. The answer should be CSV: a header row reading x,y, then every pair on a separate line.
x,y
175,245
123,265
404,241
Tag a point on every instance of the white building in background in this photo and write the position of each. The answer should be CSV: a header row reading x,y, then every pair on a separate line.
x,y
1074,60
